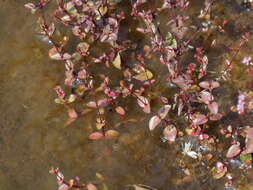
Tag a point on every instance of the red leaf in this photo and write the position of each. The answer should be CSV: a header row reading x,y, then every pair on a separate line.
x,y
164,99
148,83
219,171
120,110
91,187
241,103
170,133
199,119
249,147
153,122
249,142
63,187
204,84
180,107
103,102
96,136
209,85
213,107
215,84
163,111
86,111
66,56
111,93
220,167
249,133
91,104
144,103
215,117
60,93
69,121
82,74
51,29
56,55
146,109
72,113
234,150
30,6
205,97
182,82
203,136
59,177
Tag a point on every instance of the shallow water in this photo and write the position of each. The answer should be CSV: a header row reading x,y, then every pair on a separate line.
x,y
32,133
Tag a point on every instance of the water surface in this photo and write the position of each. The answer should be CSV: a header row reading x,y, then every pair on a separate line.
x,y
32,133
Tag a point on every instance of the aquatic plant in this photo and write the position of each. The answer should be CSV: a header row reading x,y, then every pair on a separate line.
x,y
94,22
79,27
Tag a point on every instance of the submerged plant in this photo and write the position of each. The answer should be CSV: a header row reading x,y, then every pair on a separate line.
x,y
102,80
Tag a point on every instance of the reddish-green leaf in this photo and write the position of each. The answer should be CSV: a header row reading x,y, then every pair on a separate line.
x,y
72,113
96,136
120,110
170,133
91,187
199,119
144,104
213,108
163,111
233,150
249,141
63,186
111,133
153,122
30,6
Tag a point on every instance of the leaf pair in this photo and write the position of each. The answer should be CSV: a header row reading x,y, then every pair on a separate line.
x,y
156,120
57,55
143,103
100,103
108,135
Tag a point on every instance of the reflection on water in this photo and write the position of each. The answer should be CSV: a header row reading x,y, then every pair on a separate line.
x,y
32,133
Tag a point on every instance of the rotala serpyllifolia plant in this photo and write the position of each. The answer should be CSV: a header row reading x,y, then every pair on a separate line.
x,y
106,65
97,24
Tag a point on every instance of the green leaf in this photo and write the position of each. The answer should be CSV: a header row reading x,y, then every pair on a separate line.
x,y
101,12
143,76
117,62
246,158
72,98
170,41
58,101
